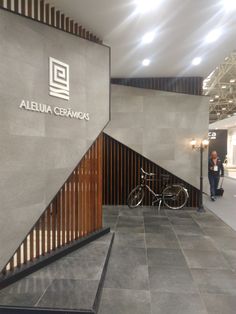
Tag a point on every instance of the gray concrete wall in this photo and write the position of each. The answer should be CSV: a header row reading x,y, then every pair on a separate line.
x,y
159,125
38,151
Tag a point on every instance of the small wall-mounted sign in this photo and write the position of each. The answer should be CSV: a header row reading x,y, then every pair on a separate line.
x,y
212,135
57,110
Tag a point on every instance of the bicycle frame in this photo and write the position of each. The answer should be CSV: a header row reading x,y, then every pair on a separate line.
x,y
158,196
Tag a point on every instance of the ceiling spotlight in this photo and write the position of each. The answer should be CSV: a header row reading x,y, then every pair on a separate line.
x,y
223,108
143,6
211,100
196,61
146,62
231,101
217,96
148,37
223,86
232,81
229,5
213,35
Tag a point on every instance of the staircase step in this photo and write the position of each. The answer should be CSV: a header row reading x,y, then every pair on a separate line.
x,y
71,284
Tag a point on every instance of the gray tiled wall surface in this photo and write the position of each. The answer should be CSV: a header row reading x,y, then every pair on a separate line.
x,y
159,125
39,151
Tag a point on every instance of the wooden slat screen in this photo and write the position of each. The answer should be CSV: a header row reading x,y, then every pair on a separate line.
x,y
75,212
186,85
121,173
42,11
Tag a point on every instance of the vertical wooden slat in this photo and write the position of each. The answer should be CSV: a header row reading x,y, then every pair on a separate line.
x,y
47,13
37,240
43,218
42,10
48,230
53,20
63,216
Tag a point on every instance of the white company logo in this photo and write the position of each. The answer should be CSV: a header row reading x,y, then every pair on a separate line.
x,y
58,79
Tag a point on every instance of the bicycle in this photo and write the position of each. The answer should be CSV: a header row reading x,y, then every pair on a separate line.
x,y
173,196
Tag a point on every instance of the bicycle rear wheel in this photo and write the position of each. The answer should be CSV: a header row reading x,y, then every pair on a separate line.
x,y
175,196
135,197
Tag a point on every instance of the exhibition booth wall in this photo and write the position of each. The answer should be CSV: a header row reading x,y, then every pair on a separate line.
x,y
54,91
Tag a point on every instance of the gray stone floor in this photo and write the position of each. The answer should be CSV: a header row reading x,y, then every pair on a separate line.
x,y
69,283
174,262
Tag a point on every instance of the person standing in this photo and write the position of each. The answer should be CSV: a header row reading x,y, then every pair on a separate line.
x,y
215,170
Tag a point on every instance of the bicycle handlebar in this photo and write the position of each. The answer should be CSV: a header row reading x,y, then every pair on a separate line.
x,y
165,176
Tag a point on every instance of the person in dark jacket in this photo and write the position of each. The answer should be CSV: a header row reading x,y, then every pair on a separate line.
x,y
215,170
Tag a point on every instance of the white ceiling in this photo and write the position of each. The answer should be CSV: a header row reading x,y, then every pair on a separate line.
x,y
181,27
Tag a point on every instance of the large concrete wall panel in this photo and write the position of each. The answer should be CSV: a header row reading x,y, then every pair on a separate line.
x,y
160,125
38,151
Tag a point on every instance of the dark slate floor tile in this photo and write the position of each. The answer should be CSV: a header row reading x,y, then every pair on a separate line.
x,y
127,212
172,303
125,301
22,299
171,279
197,242
130,229
166,257
130,240
230,256
154,212
130,221
204,259
70,294
162,241
182,221
128,256
110,210
28,285
178,213
224,243
157,228
188,230
219,231
215,280
127,277
220,303
149,220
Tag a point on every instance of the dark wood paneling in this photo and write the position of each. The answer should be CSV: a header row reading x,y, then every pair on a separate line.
x,y
44,13
186,85
75,211
121,173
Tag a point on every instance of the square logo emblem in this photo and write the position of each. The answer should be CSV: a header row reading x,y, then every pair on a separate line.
x,y
58,79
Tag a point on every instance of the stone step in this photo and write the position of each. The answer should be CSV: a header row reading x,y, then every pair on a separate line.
x,y
71,284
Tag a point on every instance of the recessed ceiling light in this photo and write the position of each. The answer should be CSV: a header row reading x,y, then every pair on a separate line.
x,y
232,81
230,101
148,37
143,6
223,86
217,96
196,61
229,5
211,100
223,108
213,35
218,113
146,62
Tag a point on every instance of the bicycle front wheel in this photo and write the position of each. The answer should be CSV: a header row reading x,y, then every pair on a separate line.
x,y
135,197
175,196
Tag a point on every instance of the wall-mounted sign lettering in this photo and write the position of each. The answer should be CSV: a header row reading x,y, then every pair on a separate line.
x,y
58,79
57,110
211,135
